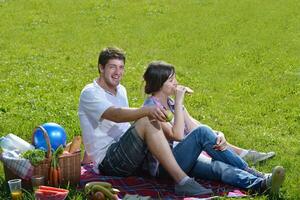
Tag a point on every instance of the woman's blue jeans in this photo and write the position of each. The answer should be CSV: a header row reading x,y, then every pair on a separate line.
x,y
225,166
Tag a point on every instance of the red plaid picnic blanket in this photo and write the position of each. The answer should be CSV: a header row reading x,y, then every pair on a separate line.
x,y
156,188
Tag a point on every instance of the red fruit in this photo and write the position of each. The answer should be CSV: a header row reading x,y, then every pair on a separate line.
x,y
43,194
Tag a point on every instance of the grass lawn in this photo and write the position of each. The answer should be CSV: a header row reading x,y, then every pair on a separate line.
x,y
240,57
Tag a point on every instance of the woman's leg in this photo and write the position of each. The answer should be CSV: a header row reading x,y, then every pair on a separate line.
x,y
219,171
203,138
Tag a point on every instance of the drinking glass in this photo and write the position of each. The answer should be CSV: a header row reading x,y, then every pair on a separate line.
x,y
36,181
15,187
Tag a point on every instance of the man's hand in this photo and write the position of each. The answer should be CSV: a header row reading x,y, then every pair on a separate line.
x,y
221,143
157,113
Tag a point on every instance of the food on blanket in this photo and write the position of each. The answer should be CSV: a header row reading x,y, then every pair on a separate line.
x,y
56,134
43,187
88,186
92,188
104,190
169,116
46,193
98,196
35,156
114,190
75,145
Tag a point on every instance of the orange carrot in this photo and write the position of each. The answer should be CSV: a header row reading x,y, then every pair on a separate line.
x,y
55,182
51,176
58,174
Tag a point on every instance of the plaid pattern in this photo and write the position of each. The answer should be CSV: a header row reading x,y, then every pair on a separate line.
x,y
156,188
19,166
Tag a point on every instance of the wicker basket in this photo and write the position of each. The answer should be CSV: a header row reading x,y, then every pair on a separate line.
x,y
70,165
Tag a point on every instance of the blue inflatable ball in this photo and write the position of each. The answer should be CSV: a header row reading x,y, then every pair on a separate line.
x,y
56,133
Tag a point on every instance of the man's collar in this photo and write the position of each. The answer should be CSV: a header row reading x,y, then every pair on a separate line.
x,y
96,82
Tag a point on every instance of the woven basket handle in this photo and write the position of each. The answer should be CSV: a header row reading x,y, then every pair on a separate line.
x,y
46,137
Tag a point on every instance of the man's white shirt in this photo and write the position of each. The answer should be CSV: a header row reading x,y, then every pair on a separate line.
x,y
98,133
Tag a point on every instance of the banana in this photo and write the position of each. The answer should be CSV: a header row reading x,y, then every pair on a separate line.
x,y
89,185
114,190
105,191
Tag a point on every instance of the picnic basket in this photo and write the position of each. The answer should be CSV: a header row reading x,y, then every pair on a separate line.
x,y
70,165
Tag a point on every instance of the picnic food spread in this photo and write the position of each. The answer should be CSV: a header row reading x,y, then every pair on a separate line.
x,y
98,190
57,166
47,193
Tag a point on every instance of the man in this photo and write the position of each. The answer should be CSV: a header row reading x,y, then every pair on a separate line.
x,y
118,148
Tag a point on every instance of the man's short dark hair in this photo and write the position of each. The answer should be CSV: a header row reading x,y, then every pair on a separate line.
x,y
110,53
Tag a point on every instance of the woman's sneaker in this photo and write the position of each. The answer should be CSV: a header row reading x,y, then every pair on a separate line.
x,y
274,182
254,157
191,188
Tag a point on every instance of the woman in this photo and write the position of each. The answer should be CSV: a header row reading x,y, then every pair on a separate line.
x,y
190,123
193,138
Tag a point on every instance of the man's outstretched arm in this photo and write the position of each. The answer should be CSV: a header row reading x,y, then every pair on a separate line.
x,y
122,114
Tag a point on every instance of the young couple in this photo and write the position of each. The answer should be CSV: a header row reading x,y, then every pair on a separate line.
x,y
118,148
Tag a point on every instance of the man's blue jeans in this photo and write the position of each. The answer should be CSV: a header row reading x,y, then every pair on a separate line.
x,y
225,166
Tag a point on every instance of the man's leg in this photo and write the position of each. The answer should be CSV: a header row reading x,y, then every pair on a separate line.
x,y
158,145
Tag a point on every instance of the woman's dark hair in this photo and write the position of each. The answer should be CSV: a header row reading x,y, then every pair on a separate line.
x,y
156,75
110,53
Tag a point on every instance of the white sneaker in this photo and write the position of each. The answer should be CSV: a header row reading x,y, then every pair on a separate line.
x,y
254,157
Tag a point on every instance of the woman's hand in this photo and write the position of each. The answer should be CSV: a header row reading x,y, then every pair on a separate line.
x,y
221,143
179,93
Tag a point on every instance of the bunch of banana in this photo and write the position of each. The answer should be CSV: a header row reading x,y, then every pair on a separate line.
x,y
100,191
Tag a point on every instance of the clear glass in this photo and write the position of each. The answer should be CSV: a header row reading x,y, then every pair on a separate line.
x,y
15,187
36,181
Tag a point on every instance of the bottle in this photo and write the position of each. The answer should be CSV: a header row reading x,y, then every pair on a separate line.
x,y
6,144
19,143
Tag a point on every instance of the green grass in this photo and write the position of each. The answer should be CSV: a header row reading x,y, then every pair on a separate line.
x,y
240,57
